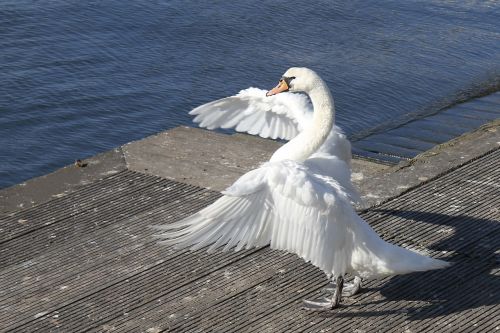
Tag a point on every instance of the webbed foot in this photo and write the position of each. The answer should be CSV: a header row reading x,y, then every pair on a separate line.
x,y
326,303
349,289
352,288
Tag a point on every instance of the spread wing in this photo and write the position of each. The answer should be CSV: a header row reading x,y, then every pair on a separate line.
x,y
280,116
284,204
281,203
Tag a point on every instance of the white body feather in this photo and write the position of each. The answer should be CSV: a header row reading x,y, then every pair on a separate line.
x,y
300,201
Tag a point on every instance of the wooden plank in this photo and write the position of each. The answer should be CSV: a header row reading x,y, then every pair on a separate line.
x,y
97,194
172,280
72,227
200,298
113,277
93,250
78,267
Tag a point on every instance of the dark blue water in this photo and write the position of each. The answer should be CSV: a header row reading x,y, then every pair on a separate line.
x,y
81,77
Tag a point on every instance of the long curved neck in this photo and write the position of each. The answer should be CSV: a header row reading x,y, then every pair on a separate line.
x,y
311,138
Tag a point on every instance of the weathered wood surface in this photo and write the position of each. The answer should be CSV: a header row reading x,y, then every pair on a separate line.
x,y
87,262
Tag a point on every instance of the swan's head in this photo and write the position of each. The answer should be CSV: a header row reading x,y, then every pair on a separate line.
x,y
296,79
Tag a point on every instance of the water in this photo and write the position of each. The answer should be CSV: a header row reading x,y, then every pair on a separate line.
x,y
81,77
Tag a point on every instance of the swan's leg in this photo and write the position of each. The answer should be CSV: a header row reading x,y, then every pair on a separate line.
x,y
338,291
349,289
325,303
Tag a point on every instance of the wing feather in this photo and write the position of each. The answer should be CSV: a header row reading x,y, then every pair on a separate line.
x,y
263,207
282,116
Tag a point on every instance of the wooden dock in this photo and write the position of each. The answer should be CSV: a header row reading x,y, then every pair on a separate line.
x,y
84,260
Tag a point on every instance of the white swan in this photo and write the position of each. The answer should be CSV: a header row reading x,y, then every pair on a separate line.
x,y
291,203
282,116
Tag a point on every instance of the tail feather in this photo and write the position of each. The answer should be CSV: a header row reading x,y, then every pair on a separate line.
x,y
374,257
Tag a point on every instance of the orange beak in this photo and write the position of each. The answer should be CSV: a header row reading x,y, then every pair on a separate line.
x,y
281,87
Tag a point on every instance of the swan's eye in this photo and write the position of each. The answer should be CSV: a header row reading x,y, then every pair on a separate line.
x,y
288,80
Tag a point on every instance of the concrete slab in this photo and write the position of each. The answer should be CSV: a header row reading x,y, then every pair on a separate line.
x,y
198,157
377,187
213,160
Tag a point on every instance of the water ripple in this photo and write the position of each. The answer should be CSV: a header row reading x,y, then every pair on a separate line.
x,y
82,77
